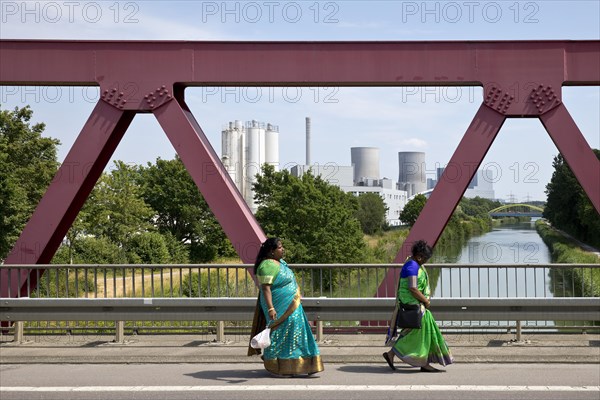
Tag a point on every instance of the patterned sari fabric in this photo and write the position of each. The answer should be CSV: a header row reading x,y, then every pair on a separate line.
x,y
419,347
293,349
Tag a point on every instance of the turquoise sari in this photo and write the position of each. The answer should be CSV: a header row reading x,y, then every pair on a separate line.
x,y
419,347
293,349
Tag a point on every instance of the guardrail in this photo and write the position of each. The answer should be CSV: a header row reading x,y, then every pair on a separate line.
x,y
336,292
317,309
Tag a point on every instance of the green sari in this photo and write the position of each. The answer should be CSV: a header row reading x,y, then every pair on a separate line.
x,y
419,347
293,349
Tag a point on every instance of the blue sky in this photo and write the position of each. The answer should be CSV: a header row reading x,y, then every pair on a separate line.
x,y
431,120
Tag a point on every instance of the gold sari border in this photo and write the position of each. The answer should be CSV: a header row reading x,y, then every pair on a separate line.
x,y
294,366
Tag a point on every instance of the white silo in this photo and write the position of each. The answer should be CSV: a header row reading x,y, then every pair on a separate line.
x,y
245,148
272,146
232,150
366,163
254,158
226,150
412,172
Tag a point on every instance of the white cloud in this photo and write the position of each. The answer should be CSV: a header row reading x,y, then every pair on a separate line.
x,y
415,143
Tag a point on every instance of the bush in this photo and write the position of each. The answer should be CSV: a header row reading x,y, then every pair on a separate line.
x,y
214,283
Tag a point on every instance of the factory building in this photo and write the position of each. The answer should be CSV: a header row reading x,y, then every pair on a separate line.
x,y
481,185
334,174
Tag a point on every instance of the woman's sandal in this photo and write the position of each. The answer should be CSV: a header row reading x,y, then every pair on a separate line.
x,y
389,361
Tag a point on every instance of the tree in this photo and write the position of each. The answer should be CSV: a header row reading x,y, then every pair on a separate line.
x,y
148,248
182,211
115,208
371,213
316,220
27,165
568,207
478,206
91,250
10,207
412,209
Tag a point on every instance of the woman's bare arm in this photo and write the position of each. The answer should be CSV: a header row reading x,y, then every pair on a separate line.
x,y
266,289
419,296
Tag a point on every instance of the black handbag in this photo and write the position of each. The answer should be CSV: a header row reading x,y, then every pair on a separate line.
x,y
409,316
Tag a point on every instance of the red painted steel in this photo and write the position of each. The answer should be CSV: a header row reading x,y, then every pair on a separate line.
x,y
449,190
520,79
67,193
572,145
212,179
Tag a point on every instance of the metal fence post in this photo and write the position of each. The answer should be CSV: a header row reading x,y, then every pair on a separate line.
x,y
519,331
18,335
119,332
220,331
319,331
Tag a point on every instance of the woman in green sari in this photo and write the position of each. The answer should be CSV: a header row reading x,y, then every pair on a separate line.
x,y
417,347
293,350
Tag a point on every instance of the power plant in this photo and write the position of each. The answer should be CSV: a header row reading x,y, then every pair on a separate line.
x,y
246,147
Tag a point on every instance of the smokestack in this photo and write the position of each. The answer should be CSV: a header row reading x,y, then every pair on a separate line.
x,y
308,141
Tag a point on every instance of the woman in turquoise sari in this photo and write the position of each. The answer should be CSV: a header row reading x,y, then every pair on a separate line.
x,y
293,349
417,347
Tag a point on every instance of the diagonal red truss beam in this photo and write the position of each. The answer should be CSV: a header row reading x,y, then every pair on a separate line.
x,y
520,79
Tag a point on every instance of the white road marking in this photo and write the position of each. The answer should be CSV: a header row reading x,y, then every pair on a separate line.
x,y
296,388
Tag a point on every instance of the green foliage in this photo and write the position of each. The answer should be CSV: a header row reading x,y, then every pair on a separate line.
x,y
478,207
565,250
91,250
371,213
27,165
181,210
412,209
148,248
468,219
315,219
178,252
568,207
388,245
207,284
115,208
53,283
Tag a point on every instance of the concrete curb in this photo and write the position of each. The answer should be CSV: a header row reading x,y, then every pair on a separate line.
x,y
345,349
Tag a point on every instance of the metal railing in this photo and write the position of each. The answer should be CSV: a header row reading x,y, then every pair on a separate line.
x,y
463,294
330,280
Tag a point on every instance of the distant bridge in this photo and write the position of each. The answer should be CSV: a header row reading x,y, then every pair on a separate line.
x,y
516,210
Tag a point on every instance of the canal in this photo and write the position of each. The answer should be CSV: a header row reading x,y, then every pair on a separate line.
x,y
505,245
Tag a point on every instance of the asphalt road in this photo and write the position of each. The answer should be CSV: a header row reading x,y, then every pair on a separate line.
x,y
338,381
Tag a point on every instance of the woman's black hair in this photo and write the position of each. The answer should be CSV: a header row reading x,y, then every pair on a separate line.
x,y
421,248
266,248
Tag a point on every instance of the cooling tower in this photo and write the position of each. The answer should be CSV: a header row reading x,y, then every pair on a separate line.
x,y
366,163
412,172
